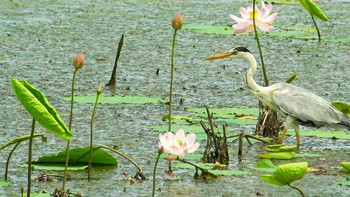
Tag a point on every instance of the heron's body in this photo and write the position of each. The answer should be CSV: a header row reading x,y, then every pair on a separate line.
x,y
297,105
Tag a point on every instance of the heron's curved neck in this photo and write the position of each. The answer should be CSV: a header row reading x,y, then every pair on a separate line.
x,y
252,85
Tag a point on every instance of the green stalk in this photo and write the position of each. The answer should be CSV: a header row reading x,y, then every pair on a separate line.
x,y
8,160
72,99
296,188
91,134
318,31
70,128
171,86
171,80
119,153
266,80
154,175
29,180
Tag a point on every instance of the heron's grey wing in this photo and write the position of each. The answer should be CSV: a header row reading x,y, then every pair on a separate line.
x,y
305,105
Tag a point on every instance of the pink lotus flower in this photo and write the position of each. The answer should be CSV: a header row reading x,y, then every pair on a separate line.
x,y
262,18
178,144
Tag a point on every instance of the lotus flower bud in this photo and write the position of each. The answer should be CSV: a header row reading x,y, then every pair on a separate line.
x,y
99,90
78,61
177,21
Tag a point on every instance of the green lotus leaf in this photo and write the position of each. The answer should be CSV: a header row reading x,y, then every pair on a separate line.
x,y
346,165
343,107
4,183
345,182
286,174
279,155
313,9
265,163
39,107
80,156
280,148
271,179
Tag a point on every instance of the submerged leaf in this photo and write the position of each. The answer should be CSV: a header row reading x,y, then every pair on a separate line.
x,y
286,174
39,107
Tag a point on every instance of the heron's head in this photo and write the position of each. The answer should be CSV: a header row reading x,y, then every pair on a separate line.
x,y
236,52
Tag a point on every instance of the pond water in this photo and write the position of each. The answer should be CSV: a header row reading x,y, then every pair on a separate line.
x,y
39,39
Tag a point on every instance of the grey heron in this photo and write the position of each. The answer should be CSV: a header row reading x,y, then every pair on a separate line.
x,y
297,105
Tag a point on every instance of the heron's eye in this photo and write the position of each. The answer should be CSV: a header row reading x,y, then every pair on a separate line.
x,y
234,52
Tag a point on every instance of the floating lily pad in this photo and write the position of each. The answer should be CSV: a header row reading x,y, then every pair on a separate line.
x,y
345,182
117,99
280,1
210,29
346,165
308,155
292,32
286,174
209,167
279,155
280,148
78,158
229,116
322,134
4,183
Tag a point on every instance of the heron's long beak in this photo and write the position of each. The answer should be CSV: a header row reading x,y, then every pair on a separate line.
x,y
219,56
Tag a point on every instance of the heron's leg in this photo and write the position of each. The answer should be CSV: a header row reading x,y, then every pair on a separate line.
x,y
296,129
283,135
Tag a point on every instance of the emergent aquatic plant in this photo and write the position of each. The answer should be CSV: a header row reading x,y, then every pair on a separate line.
x,y
99,91
175,145
287,174
176,24
78,63
314,10
253,18
43,112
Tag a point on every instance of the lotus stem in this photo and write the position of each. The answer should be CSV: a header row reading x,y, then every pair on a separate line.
x,y
266,80
192,164
29,180
316,26
296,188
171,80
72,100
91,134
8,160
119,153
154,175
23,138
69,127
